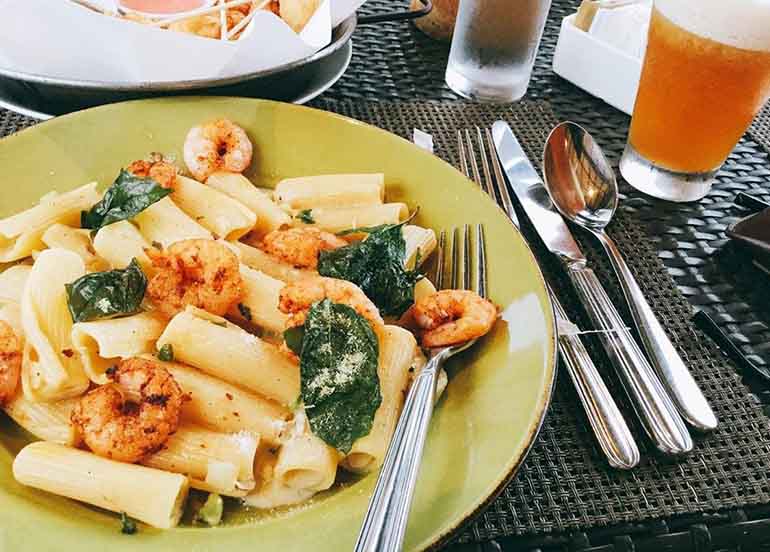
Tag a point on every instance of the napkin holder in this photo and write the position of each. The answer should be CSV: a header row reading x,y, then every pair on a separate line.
x,y
595,65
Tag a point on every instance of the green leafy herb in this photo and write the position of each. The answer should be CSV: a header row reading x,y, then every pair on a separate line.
x,y
220,323
128,196
166,353
339,385
306,216
106,294
211,511
127,525
376,265
363,230
245,311
293,338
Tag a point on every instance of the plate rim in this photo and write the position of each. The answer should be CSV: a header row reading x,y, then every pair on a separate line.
x,y
462,521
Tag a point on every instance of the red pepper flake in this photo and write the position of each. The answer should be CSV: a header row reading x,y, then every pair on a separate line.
x,y
68,353
229,396
236,415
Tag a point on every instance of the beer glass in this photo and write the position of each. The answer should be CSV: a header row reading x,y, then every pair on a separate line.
x,y
494,46
705,76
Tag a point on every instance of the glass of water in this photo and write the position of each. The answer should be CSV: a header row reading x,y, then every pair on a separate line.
x,y
494,47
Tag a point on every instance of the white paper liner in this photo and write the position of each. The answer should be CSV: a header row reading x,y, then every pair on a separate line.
x,y
62,40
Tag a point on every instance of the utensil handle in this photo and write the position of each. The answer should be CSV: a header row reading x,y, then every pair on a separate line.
x,y
386,518
609,426
653,406
682,387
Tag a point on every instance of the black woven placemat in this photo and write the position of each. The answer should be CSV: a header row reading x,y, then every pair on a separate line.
x,y
565,482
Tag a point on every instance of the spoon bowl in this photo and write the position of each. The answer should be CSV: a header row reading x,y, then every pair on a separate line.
x,y
587,191
583,188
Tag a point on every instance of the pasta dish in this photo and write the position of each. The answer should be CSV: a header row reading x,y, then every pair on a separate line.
x,y
188,329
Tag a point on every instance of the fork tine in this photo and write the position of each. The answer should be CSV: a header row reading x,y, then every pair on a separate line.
x,y
467,260
503,196
463,156
454,281
439,279
486,185
481,261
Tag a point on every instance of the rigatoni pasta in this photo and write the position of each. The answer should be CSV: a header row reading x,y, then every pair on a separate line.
x,y
165,223
76,240
119,243
397,354
259,260
224,350
49,421
12,282
22,233
221,214
259,304
111,485
331,190
269,215
217,462
51,370
102,343
337,219
227,408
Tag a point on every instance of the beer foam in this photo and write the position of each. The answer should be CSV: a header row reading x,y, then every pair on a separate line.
x,y
740,23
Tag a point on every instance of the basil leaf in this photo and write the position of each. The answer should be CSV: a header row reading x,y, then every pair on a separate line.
x,y
128,196
376,265
339,385
293,338
106,294
306,216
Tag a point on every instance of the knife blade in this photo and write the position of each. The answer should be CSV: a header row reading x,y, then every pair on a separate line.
x,y
653,405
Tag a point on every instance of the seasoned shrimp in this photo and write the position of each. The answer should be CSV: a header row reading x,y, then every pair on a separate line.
x,y
202,273
449,317
297,297
162,172
299,247
115,427
10,361
217,146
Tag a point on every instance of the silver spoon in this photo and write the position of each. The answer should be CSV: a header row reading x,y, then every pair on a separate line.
x,y
582,185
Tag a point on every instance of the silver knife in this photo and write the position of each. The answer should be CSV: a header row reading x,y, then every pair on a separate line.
x,y
654,407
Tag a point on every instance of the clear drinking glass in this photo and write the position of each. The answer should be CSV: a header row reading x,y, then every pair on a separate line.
x,y
706,74
494,47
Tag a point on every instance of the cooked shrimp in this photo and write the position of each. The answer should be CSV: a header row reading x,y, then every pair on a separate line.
x,y
297,297
202,273
162,172
115,427
299,247
220,145
10,361
449,317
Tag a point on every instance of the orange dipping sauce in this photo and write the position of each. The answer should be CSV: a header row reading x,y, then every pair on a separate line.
x,y
162,6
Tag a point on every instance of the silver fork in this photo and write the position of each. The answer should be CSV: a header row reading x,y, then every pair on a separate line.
x,y
386,518
603,414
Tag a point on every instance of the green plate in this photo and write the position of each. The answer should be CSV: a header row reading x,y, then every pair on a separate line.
x,y
483,426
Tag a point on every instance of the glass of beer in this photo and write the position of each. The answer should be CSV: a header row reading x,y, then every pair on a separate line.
x,y
494,46
705,76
